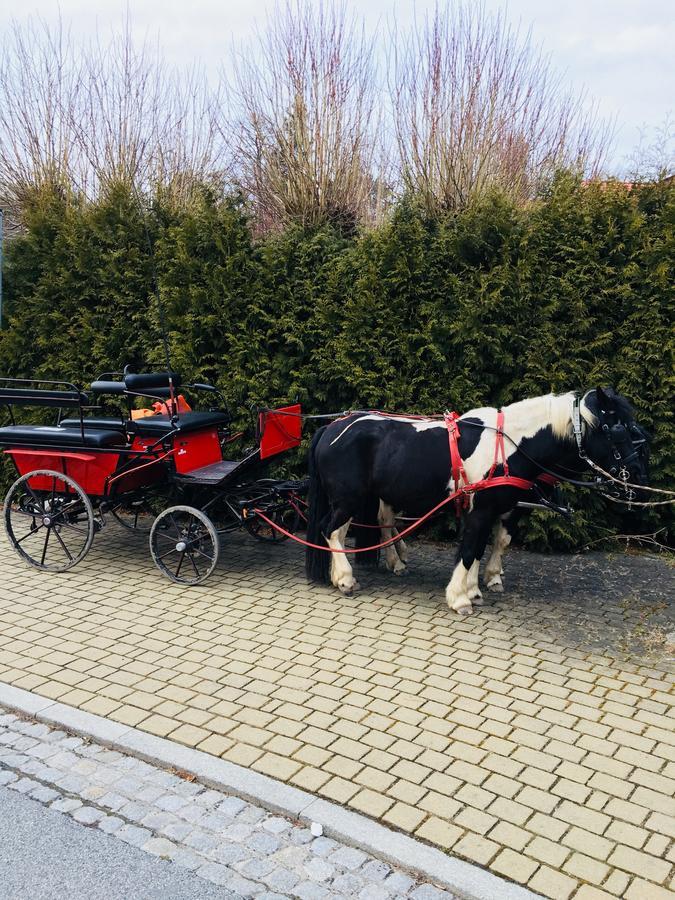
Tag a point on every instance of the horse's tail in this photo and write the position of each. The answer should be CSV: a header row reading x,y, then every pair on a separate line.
x,y
366,537
317,562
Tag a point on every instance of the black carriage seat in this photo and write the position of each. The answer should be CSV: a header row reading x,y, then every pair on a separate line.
x,y
156,426
55,436
96,422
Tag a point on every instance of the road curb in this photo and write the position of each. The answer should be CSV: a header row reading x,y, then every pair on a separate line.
x,y
460,877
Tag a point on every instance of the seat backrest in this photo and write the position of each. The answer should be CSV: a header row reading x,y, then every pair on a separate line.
x,y
151,384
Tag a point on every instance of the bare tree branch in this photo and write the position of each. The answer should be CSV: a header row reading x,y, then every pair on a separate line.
x,y
477,107
306,123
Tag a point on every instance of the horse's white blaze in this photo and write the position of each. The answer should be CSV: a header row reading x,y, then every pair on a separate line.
x,y
455,593
386,517
493,568
341,573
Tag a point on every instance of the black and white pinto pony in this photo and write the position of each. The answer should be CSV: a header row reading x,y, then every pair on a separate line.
x,y
368,468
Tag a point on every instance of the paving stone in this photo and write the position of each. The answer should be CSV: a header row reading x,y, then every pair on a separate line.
x,y
215,873
132,834
318,869
375,870
398,883
110,824
24,785
227,854
533,696
347,884
201,841
281,880
160,847
276,825
87,815
322,846
66,804
171,802
231,806
44,794
264,843
176,831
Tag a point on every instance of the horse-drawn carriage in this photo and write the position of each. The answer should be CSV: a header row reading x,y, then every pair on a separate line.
x,y
170,473
167,472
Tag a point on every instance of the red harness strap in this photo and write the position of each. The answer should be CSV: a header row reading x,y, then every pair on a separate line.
x,y
491,481
457,472
499,447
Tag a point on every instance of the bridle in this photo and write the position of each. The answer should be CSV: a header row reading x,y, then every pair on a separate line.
x,y
617,434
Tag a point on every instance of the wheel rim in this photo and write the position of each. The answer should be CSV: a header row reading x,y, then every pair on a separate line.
x,y
49,520
184,544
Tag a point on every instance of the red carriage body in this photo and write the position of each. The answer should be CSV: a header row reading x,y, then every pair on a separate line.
x,y
82,465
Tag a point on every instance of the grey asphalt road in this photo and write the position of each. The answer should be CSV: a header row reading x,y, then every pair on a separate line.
x,y
45,855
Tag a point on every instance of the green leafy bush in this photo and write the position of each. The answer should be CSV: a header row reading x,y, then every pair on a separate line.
x,y
489,305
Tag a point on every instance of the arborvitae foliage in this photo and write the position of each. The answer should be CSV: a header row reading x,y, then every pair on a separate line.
x,y
487,306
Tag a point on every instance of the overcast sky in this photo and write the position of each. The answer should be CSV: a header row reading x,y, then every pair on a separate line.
x,y
620,50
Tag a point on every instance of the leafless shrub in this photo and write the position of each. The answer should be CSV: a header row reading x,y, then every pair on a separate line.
x,y
476,106
654,156
39,92
305,109
84,116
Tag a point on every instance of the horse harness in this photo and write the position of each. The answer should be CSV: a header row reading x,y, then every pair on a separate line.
x,y
616,433
458,472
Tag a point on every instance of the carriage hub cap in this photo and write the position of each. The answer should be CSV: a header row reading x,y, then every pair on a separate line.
x,y
46,520
181,546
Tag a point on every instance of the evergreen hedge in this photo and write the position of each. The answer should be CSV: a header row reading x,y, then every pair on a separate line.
x,y
482,307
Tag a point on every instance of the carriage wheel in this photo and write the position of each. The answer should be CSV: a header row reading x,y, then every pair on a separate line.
x,y
184,544
51,528
285,516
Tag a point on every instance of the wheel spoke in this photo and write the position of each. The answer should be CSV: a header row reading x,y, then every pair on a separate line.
x,y
204,555
168,553
180,563
40,504
30,533
194,564
73,527
44,549
66,550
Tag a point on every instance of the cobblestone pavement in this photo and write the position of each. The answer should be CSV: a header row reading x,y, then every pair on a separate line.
x,y
535,738
221,838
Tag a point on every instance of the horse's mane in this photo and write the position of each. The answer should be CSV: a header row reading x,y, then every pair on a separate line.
x,y
555,410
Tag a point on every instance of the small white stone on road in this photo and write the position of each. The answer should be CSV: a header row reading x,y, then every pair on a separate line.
x,y
316,828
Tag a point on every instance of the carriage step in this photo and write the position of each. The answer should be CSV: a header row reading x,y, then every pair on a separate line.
x,y
213,473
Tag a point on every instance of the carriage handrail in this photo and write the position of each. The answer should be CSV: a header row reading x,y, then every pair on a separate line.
x,y
30,395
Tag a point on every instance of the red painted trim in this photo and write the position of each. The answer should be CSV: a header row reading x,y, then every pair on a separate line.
x,y
83,457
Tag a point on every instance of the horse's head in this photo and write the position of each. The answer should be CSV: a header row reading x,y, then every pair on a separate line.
x,y
616,442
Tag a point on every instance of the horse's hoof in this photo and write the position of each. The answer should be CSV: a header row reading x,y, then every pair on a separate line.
x,y
349,588
461,605
465,610
495,586
400,570
477,599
